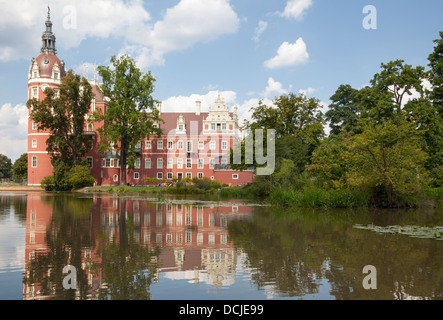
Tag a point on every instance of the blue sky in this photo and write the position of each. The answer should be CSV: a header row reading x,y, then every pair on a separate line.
x,y
250,50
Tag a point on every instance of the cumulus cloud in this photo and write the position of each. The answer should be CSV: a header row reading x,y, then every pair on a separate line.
x,y
274,89
13,130
289,54
296,9
182,26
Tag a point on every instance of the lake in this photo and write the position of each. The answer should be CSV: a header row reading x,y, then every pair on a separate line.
x,y
136,247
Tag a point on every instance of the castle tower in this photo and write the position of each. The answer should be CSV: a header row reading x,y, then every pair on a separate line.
x,y
45,71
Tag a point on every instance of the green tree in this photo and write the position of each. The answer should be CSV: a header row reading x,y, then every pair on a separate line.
x,y
291,115
131,114
64,116
436,65
20,168
343,112
393,83
387,157
5,167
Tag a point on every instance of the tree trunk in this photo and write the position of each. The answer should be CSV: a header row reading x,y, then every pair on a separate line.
x,y
123,163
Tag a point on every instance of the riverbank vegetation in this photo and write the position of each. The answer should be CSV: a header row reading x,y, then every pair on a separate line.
x,y
384,148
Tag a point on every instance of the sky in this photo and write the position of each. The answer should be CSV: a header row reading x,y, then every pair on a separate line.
x,y
248,50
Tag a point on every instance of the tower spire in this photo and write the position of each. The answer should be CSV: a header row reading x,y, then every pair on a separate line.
x,y
48,38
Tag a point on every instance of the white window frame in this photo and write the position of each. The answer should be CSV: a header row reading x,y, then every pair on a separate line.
x,y
92,161
160,175
136,175
188,163
189,175
201,145
201,163
179,163
34,162
34,125
180,144
170,145
115,178
170,163
148,163
159,144
189,146
212,145
34,143
200,175
235,176
148,144
137,163
169,175
159,163
224,145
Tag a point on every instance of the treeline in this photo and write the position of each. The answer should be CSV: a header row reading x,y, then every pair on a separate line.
x,y
384,147
17,172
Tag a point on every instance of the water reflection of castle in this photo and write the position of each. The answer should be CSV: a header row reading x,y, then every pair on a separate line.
x,y
193,238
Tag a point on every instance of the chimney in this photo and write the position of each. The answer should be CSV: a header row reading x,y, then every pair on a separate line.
x,y
198,107
159,107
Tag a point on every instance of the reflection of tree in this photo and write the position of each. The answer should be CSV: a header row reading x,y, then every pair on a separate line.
x,y
127,267
67,235
293,249
17,202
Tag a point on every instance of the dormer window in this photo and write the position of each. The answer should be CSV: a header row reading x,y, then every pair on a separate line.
x,y
180,127
56,75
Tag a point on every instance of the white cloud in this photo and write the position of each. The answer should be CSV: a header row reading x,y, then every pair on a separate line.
x,y
307,91
262,26
296,9
188,23
13,130
289,55
274,89
182,26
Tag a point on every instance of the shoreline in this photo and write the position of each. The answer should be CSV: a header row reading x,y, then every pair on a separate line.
x,y
22,188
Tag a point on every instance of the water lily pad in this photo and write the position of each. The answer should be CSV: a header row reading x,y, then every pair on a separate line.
x,y
411,231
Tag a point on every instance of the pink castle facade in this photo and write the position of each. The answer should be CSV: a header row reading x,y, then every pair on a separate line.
x,y
193,144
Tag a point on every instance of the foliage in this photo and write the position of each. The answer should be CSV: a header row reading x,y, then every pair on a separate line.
x,y
131,113
5,167
65,179
20,168
80,177
64,116
436,65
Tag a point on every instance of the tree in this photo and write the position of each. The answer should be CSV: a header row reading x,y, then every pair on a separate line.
x,y
131,114
291,115
387,157
20,168
398,80
5,167
343,112
436,65
64,116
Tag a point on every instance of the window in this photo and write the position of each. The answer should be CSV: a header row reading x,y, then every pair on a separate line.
x,y
224,126
180,127
34,125
218,126
34,93
211,164
169,175
34,161
180,145
179,163
201,145
136,175
201,163
89,161
200,175
35,74
224,145
107,163
148,163
235,176
188,163
189,146
189,175
90,127
116,163
160,145
213,126
212,145
160,175
170,163
34,143
159,163
147,144
224,162
138,145
170,145
115,178
55,75
137,163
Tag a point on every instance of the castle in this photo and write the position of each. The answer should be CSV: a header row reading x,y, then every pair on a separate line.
x,y
193,144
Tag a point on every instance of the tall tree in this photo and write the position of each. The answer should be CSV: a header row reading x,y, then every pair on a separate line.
x,y
398,80
63,114
20,168
130,114
343,112
5,166
436,65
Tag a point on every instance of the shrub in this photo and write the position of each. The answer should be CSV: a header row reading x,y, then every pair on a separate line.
x,y
80,177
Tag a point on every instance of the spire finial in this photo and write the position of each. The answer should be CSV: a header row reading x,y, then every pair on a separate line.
x,y
48,38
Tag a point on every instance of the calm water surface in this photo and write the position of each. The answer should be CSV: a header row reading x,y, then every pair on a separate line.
x,y
137,247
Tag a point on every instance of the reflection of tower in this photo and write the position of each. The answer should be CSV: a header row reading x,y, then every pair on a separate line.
x,y
45,71
179,254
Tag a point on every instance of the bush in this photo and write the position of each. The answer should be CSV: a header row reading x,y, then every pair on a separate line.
x,y
48,183
80,177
